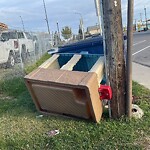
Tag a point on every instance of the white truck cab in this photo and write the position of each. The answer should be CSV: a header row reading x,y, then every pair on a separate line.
x,y
14,42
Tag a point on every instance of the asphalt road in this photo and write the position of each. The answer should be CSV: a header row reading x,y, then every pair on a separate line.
x,y
141,48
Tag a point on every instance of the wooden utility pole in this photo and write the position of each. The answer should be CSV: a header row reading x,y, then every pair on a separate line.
x,y
113,32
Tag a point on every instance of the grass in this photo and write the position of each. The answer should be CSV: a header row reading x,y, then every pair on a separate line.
x,y
30,68
20,129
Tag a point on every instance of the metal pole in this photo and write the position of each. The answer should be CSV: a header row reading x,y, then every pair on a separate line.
x,y
141,16
51,39
83,29
105,53
135,24
82,24
100,25
22,65
145,17
22,23
104,43
58,31
129,57
33,48
46,17
98,13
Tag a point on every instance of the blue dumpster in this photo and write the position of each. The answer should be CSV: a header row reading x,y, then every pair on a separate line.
x,y
93,45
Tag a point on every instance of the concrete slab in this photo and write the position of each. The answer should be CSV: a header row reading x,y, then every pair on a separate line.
x,y
141,74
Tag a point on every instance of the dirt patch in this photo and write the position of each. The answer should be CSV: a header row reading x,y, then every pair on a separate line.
x,y
11,73
4,97
3,72
144,142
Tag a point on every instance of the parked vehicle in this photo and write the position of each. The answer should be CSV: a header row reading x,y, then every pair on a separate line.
x,y
8,52
13,43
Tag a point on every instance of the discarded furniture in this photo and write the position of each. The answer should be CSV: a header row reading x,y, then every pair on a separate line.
x,y
67,84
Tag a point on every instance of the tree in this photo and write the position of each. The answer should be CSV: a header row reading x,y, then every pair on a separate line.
x,y
66,32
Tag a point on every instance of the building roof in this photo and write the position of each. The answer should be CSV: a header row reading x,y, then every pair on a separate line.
x,y
96,27
3,26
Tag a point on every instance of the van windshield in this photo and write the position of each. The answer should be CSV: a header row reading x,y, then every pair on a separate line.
x,y
28,35
9,35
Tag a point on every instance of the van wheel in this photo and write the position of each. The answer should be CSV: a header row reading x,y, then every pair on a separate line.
x,y
11,60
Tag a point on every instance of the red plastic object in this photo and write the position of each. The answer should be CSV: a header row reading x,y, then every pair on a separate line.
x,y
105,92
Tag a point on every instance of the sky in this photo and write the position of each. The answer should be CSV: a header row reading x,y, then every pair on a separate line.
x,y
65,12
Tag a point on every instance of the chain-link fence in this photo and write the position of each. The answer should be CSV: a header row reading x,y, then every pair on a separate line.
x,y
19,48
22,48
